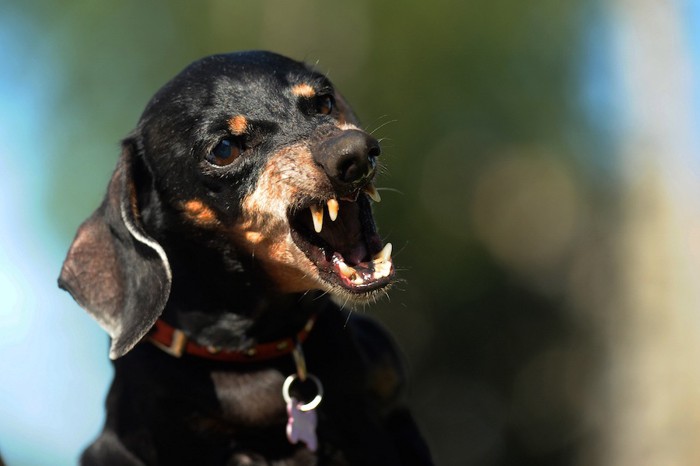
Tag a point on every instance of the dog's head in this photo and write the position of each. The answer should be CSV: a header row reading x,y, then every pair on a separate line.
x,y
249,150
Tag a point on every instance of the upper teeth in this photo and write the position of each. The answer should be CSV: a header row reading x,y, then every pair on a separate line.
x,y
317,217
371,191
333,209
317,213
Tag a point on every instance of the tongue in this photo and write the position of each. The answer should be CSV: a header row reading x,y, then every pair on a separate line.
x,y
355,254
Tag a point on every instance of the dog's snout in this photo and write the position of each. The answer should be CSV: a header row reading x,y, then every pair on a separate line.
x,y
349,158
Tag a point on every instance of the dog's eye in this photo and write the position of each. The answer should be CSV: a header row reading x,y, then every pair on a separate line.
x,y
326,103
225,152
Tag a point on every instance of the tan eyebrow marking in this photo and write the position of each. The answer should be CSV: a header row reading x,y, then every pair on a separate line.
x,y
238,125
303,90
199,213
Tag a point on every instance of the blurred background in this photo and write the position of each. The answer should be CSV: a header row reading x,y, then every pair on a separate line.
x,y
542,197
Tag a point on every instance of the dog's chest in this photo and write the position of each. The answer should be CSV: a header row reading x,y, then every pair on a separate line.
x,y
250,398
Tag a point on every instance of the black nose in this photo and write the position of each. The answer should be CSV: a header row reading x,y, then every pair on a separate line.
x,y
348,158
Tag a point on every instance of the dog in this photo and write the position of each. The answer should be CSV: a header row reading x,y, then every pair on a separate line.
x,y
236,225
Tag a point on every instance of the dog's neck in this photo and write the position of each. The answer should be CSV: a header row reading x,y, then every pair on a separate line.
x,y
226,301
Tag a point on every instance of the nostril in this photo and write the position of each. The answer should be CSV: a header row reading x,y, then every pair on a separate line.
x,y
354,167
374,150
349,170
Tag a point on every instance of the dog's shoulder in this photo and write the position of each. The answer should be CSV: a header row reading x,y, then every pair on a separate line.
x,y
385,366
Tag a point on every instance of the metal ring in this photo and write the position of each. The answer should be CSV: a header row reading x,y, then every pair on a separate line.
x,y
311,404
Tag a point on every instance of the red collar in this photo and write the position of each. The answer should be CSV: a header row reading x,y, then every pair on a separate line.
x,y
174,342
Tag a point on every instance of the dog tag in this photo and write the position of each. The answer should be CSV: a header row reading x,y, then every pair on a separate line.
x,y
301,425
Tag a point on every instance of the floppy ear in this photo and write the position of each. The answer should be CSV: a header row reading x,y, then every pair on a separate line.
x,y
114,270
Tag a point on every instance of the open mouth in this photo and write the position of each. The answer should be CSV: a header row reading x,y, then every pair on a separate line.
x,y
340,237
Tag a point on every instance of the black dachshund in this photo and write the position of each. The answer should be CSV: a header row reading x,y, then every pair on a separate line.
x,y
238,215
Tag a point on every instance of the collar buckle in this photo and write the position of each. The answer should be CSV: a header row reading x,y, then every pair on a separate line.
x,y
177,344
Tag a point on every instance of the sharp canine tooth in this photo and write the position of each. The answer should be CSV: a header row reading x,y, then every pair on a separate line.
x,y
317,217
383,255
346,270
333,209
372,192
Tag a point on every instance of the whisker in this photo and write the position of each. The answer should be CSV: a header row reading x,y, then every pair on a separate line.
x,y
376,120
386,293
382,126
393,190
347,319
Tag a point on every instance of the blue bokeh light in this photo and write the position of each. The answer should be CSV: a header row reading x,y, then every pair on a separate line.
x,y
52,358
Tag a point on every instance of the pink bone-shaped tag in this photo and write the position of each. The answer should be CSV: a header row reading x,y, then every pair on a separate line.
x,y
301,425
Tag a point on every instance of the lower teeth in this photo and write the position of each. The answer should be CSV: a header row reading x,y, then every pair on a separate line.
x,y
381,269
